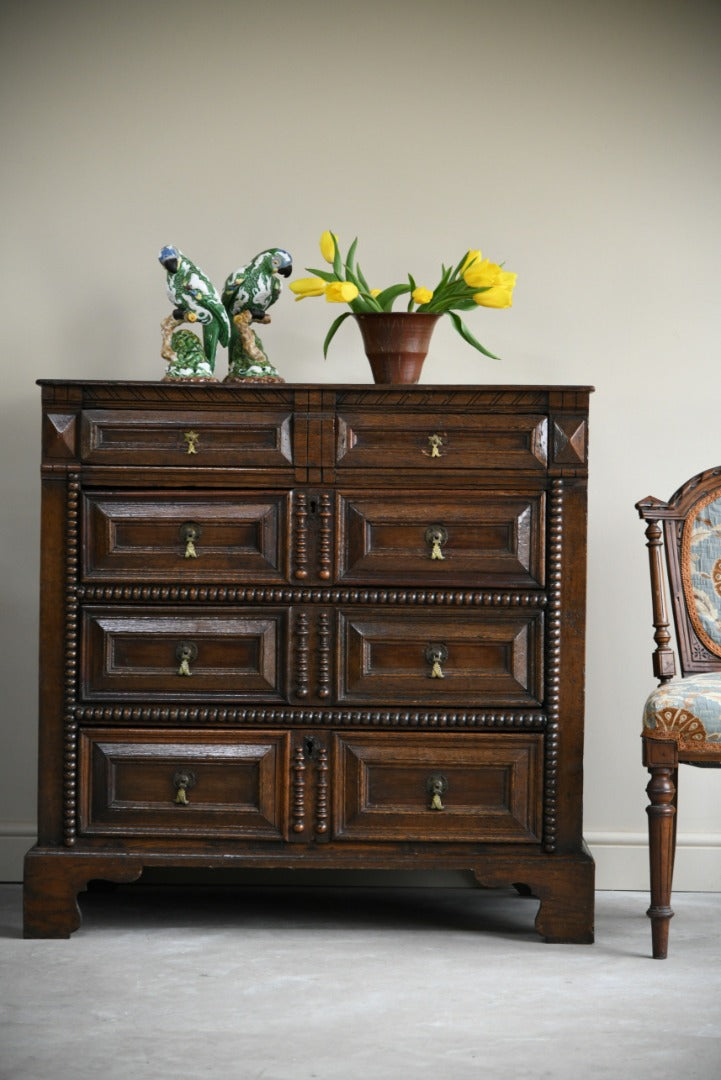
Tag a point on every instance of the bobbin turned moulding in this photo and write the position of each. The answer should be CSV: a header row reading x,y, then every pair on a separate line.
x,y
312,626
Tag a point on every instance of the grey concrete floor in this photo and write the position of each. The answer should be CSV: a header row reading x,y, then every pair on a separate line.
x,y
336,984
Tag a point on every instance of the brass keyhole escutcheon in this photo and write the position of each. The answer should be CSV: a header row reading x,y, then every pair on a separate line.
x,y
190,533
185,653
436,786
436,536
191,441
436,656
183,781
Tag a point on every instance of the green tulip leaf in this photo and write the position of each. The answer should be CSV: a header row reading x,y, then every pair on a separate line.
x,y
446,276
365,303
337,261
457,270
353,278
332,332
350,258
411,289
324,275
386,298
468,336
361,278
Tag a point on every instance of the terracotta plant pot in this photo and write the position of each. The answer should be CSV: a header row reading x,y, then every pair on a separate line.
x,y
396,344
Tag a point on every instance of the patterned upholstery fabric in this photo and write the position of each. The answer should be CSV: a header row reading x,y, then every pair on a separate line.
x,y
688,711
701,561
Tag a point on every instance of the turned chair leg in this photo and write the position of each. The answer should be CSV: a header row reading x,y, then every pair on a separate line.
x,y
662,849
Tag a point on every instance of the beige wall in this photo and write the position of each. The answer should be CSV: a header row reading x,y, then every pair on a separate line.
x,y
578,141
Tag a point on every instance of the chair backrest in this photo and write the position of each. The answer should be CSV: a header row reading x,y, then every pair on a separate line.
x,y
688,526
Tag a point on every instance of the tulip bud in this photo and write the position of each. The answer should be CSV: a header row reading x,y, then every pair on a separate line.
x,y
421,295
481,274
499,295
340,292
471,257
327,246
307,286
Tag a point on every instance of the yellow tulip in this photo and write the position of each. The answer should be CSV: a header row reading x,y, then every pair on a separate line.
x,y
499,295
471,257
307,286
376,292
327,246
481,274
421,295
340,292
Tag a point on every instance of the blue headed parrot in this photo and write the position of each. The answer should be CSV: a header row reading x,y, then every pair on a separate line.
x,y
195,299
247,294
256,286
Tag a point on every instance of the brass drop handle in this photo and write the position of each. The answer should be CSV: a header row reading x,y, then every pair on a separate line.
x,y
436,655
436,786
191,441
435,442
183,781
190,533
185,653
436,536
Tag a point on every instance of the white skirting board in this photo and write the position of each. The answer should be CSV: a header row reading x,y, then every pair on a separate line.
x,y
621,859
15,839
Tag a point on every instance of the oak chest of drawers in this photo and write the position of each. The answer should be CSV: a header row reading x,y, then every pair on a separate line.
x,y
312,626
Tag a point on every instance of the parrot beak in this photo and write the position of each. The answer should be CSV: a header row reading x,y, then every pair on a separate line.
x,y
286,271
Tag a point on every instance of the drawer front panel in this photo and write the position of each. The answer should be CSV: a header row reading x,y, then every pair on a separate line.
x,y
183,657
466,538
171,537
192,439
481,788
437,443
147,783
489,658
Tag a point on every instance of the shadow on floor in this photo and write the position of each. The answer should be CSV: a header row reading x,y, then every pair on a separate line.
x,y
290,907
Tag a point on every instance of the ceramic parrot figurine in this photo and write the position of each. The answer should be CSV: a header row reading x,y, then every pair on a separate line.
x,y
194,299
247,294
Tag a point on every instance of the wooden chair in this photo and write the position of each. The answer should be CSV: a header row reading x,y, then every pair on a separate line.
x,y
682,717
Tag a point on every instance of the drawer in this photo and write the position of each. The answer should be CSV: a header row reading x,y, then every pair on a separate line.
x,y
176,655
191,439
466,538
172,537
170,782
487,658
435,443
481,788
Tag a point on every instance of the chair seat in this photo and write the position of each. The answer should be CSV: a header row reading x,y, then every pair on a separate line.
x,y
687,711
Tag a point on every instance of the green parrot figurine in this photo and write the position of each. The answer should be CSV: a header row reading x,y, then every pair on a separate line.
x,y
194,299
247,295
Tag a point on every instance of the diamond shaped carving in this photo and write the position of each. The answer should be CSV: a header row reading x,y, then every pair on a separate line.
x,y
60,429
569,440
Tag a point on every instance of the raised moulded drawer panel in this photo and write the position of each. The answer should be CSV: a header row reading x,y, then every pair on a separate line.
x,y
248,440
172,536
180,656
436,443
138,783
469,538
484,658
481,788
